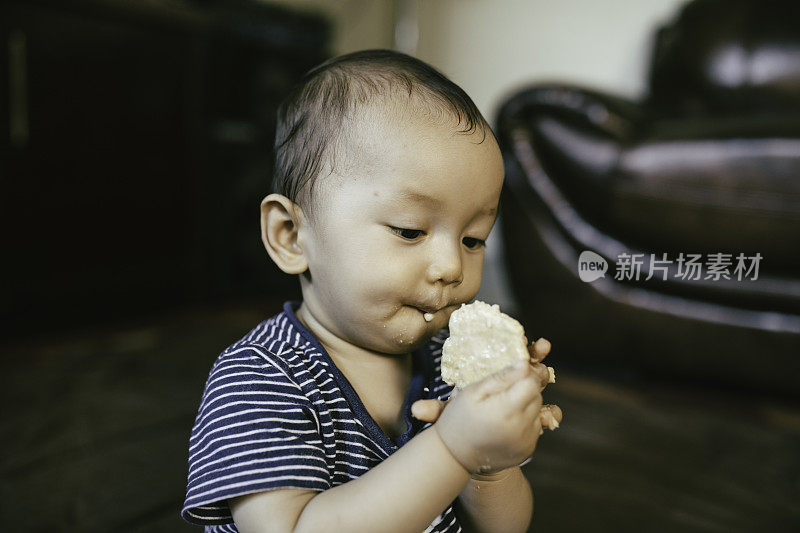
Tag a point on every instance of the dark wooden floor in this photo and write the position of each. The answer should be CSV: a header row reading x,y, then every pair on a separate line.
x,y
95,428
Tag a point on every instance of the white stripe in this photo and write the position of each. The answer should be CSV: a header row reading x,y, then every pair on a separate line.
x,y
243,402
295,446
250,483
197,473
257,372
330,391
349,454
261,382
244,473
436,522
329,401
237,414
247,423
363,434
351,465
266,332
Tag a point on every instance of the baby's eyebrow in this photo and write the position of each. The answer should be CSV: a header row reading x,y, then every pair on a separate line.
x,y
410,195
416,196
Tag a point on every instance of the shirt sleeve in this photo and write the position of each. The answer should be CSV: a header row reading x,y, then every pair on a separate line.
x,y
255,431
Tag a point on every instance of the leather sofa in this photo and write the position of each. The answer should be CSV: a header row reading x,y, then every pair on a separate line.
x,y
708,163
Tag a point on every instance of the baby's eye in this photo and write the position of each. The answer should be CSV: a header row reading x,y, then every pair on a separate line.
x,y
472,243
409,234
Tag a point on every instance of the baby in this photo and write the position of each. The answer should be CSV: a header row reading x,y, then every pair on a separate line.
x,y
328,416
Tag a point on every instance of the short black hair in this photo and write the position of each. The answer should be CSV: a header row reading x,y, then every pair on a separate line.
x,y
311,118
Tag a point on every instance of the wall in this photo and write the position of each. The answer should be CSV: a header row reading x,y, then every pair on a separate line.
x,y
491,47
357,24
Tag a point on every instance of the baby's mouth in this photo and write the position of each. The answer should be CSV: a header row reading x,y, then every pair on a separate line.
x,y
428,312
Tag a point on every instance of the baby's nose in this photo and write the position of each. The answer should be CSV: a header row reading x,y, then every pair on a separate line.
x,y
446,266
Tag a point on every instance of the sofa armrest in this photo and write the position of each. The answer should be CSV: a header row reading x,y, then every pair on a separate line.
x,y
605,114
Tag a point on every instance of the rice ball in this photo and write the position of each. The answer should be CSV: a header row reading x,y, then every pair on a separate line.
x,y
482,341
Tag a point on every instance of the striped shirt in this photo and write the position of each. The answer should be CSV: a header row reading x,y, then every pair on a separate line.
x,y
277,413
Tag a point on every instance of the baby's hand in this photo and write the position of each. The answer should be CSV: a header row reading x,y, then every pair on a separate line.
x,y
551,416
495,423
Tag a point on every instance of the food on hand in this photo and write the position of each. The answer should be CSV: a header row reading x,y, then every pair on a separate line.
x,y
482,341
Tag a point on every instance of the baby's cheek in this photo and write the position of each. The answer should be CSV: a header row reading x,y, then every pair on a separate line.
x,y
473,267
472,281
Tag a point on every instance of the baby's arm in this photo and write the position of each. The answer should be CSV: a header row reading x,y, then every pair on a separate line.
x,y
415,484
404,493
496,503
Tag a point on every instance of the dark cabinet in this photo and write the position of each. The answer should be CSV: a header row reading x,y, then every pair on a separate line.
x,y
136,152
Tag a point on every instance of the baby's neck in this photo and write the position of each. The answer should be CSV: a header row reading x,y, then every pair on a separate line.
x,y
344,353
380,380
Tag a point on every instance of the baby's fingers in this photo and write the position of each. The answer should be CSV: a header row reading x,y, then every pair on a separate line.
x,y
501,380
524,392
431,410
427,410
546,374
539,350
551,416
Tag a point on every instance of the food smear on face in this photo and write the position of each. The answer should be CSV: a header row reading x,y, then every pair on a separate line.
x,y
428,317
482,341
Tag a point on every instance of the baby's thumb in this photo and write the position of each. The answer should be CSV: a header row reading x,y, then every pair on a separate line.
x,y
427,410
503,379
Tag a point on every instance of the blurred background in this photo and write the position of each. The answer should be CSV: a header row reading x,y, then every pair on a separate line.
x,y
135,149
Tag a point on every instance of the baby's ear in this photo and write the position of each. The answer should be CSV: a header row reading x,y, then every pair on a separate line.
x,y
280,218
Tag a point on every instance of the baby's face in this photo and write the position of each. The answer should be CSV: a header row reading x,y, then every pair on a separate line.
x,y
400,234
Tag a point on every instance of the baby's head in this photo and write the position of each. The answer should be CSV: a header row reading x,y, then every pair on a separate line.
x,y
387,182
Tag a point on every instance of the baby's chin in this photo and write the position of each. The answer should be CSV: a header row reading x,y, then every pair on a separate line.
x,y
411,329
404,346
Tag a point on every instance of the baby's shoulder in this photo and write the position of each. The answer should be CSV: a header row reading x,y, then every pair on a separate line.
x,y
247,379
268,353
